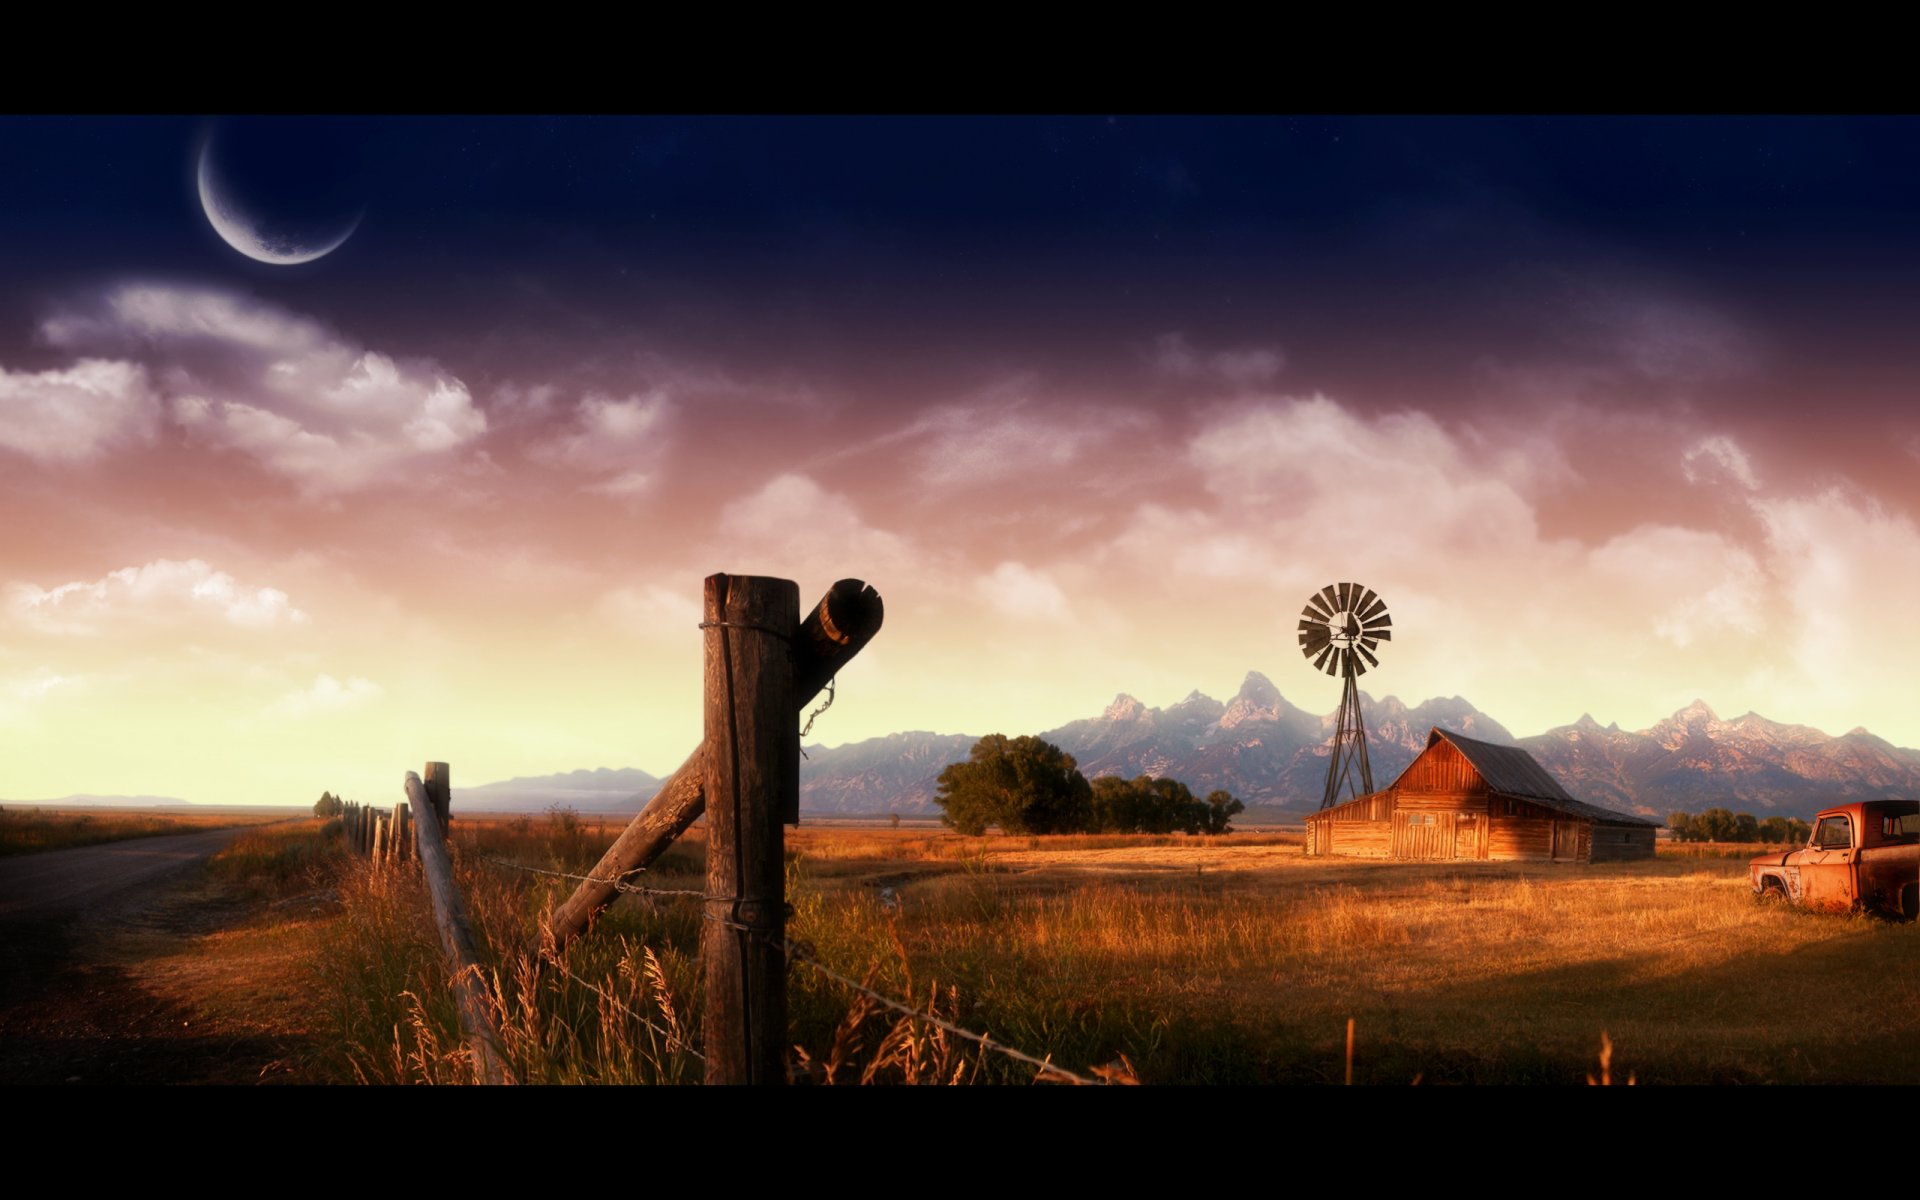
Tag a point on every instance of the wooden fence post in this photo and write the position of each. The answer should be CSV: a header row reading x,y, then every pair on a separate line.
x,y
397,840
379,854
837,629
752,773
456,937
439,781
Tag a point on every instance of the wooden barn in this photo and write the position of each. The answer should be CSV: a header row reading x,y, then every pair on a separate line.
x,y
1467,799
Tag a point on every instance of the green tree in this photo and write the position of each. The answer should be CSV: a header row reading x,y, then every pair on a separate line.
x,y
1798,831
1221,809
328,805
1682,826
1746,828
1115,805
1717,825
1023,785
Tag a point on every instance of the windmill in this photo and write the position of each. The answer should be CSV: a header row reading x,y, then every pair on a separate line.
x,y
1342,624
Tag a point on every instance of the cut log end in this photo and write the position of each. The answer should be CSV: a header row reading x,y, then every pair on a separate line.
x,y
850,611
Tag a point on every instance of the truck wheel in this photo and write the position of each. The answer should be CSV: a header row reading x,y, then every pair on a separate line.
x,y
1771,891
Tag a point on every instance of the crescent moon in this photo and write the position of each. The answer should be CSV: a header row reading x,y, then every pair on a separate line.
x,y
238,230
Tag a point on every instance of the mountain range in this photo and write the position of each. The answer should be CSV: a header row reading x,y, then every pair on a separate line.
x,y
1269,753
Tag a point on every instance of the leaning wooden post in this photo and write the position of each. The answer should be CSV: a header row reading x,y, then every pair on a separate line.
x,y
840,626
751,776
450,917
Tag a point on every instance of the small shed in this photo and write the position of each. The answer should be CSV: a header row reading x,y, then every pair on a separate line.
x,y
1467,799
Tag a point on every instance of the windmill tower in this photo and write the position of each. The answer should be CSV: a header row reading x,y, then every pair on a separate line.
x,y
1342,624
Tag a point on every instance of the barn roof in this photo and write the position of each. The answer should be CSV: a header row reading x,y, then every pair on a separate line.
x,y
1511,771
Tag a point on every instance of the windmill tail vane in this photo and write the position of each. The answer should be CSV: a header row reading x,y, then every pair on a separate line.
x,y
1340,628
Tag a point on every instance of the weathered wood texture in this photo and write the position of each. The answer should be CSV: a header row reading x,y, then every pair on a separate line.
x,y
1621,843
439,782
1441,768
456,937
750,773
840,626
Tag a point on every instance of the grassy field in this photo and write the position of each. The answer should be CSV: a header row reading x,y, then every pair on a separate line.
x,y
1177,960
25,830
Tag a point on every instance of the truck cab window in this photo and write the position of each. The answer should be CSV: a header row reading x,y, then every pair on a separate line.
x,y
1833,834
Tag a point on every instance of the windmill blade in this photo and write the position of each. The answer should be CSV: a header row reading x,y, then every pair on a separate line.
x,y
1354,664
1379,622
1317,635
1378,635
1332,599
1364,653
1374,609
1308,623
1311,648
1344,590
1369,643
1337,667
1366,598
1321,661
1315,610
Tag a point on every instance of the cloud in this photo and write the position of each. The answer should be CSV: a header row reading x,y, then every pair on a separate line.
x,y
1024,593
793,526
1721,452
1690,582
77,413
161,591
622,439
326,695
308,404
1174,356
653,610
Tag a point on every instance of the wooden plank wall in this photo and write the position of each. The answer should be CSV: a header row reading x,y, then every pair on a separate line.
x,y
1510,838
1616,843
1362,839
1423,834
1441,768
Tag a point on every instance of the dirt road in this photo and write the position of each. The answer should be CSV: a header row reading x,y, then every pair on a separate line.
x,y
104,975
60,883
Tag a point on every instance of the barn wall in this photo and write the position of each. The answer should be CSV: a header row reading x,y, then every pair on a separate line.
x,y
1622,843
1510,838
1441,768
1360,839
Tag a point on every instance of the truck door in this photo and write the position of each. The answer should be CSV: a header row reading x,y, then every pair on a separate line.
x,y
1827,866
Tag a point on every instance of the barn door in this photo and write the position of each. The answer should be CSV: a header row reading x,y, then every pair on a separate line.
x,y
1466,836
1566,839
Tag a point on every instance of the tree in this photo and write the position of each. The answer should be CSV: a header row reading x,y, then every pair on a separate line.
x,y
1221,809
1682,826
1717,824
1746,828
1023,785
328,805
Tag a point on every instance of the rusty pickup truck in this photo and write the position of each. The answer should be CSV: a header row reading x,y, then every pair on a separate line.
x,y
1863,855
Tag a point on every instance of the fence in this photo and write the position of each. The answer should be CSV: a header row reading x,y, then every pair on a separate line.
x,y
763,665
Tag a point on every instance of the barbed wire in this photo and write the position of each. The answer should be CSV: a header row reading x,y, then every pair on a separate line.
x,y
799,953
616,884
636,1015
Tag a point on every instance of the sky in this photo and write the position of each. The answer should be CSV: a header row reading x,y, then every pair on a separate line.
x,y
1615,413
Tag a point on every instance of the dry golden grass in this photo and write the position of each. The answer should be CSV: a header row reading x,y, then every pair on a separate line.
x,y
1196,960
25,830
